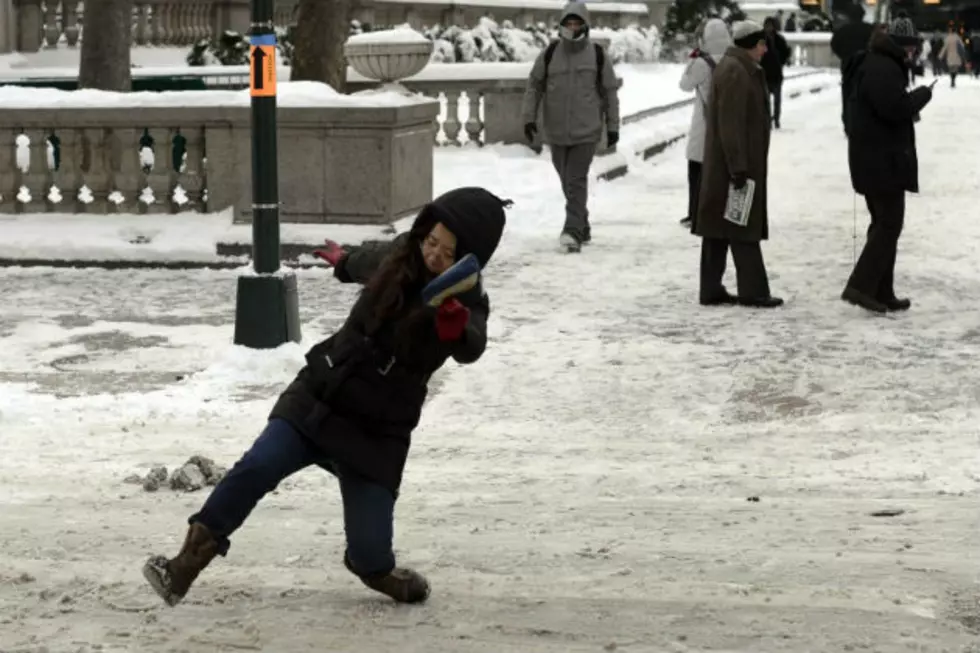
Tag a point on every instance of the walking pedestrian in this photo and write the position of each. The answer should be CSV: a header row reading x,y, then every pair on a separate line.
x,y
575,81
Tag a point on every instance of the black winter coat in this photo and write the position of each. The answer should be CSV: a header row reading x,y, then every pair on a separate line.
x,y
358,400
776,57
880,121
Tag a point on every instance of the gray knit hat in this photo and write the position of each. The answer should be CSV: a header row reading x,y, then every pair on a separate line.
x,y
747,34
902,30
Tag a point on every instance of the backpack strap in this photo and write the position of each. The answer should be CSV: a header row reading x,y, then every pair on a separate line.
x,y
600,64
549,53
708,59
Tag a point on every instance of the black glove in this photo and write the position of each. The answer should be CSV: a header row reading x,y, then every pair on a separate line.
x,y
612,138
739,179
921,96
530,131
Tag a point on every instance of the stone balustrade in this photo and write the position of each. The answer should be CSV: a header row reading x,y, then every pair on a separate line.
x,y
812,49
54,23
354,164
476,108
481,111
480,103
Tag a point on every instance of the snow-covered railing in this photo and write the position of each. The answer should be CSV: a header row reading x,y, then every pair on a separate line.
x,y
812,49
480,102
355,159
53,23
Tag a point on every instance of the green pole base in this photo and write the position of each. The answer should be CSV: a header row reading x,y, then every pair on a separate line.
x,y
267,311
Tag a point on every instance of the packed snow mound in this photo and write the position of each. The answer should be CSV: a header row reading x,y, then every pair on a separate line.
x,y
197,473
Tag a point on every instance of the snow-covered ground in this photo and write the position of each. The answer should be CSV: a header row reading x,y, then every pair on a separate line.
x,y
623,470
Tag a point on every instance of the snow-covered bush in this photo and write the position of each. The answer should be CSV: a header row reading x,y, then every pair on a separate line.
x,y
491,42
487,42
232,48
632,45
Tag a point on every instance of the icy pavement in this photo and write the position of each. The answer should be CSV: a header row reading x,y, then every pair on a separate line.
x,y
624,470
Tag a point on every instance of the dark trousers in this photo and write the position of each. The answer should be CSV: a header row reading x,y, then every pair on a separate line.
x,y
874,272
776,101
281,451
693,188
750,269
572,163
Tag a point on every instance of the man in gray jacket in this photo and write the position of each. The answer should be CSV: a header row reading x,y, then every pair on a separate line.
x,y
577,82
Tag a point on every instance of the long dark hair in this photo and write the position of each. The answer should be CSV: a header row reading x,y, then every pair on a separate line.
x,y
402,271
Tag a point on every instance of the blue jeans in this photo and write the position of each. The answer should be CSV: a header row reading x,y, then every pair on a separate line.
x,y
281,451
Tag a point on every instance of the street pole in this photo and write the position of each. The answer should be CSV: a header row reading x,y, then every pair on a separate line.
x,y
267,310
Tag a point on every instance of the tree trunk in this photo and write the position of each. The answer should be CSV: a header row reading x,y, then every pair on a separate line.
x,y
321,29
106,42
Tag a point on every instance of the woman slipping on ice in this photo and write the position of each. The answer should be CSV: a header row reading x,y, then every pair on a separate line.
x,y
352,409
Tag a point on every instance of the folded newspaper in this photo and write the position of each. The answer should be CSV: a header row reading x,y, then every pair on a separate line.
x,y
739,203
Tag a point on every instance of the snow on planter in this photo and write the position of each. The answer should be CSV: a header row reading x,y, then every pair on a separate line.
x,y
403,34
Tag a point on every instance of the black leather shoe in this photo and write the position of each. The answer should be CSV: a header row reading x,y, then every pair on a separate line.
x,y
858,298
721,299
761,302
897,304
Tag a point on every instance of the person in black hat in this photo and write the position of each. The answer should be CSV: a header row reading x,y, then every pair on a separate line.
x,y
352,409
851,37
881,115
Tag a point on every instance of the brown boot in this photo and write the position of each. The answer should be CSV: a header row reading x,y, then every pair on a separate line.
x,y
172,578
403,585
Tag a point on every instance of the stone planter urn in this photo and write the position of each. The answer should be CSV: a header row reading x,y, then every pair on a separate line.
x,y
388,56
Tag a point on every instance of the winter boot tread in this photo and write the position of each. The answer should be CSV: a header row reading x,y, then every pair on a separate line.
x,y
171,579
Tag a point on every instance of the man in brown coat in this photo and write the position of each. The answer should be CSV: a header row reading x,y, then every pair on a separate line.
x,y
736,149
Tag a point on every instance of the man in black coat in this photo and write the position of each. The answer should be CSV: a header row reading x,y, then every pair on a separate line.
x,y
881,152
776,57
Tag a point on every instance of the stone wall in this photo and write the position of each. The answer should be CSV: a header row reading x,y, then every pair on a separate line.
x,y
336,164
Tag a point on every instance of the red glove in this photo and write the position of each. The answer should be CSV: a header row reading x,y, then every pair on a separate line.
x,y
451,320
695,53
331,252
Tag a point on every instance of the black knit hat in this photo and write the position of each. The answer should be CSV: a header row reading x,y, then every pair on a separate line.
x,y
902,30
